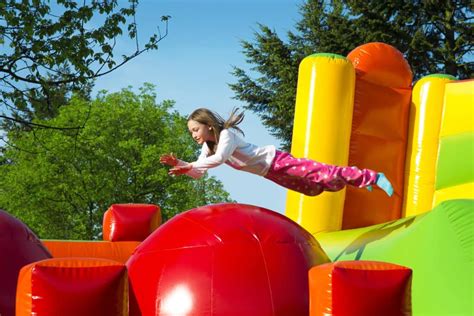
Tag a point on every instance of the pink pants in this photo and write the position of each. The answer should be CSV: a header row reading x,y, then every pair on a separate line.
x,y
312,178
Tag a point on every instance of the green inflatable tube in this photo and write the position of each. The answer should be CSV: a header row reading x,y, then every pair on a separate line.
x,y
438,246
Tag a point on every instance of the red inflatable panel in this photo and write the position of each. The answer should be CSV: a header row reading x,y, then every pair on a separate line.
x,y
73,287
130,222
224,259
349,288
18,247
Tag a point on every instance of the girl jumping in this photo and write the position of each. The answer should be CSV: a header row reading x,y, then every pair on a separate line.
x,y
222,144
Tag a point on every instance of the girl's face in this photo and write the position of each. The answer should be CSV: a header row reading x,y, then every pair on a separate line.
x,y
201,133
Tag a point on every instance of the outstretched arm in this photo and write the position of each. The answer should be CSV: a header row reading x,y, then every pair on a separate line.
x,y
180,167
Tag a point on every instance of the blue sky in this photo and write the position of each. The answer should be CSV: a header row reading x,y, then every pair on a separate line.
x,y
192,66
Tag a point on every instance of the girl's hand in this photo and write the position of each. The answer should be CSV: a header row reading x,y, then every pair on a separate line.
x,y
178,170
169,159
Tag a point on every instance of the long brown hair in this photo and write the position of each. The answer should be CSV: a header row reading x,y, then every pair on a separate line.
x,y
217,123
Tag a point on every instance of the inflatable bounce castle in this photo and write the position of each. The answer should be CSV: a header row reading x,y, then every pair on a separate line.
x,y
351,252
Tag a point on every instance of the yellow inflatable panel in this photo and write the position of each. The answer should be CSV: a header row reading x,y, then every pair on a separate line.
x,y
423,135
458,115
455,165
463,191
322,128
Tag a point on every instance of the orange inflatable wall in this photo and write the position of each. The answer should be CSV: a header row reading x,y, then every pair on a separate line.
x,y
118,251
379,131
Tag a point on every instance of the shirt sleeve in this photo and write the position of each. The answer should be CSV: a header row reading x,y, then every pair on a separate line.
x,y
225,148
196,173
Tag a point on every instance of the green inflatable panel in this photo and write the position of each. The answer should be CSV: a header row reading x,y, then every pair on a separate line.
x,y
438,246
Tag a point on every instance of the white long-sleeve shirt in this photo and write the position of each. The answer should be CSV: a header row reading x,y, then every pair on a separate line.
x,y
235,152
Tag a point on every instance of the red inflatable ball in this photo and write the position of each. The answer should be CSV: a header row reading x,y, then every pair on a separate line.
x,y
224,259
18,247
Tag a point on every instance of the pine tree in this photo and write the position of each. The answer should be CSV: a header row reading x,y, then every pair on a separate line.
x,y
434,36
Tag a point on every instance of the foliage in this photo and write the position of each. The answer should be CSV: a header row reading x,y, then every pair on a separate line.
x,y
435,37
49,50
60,182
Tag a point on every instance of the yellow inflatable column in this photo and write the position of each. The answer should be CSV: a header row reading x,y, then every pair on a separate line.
x,y
455,165
321,131
423,138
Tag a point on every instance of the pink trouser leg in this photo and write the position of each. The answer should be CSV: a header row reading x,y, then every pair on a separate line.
x,y
312,178
332,178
